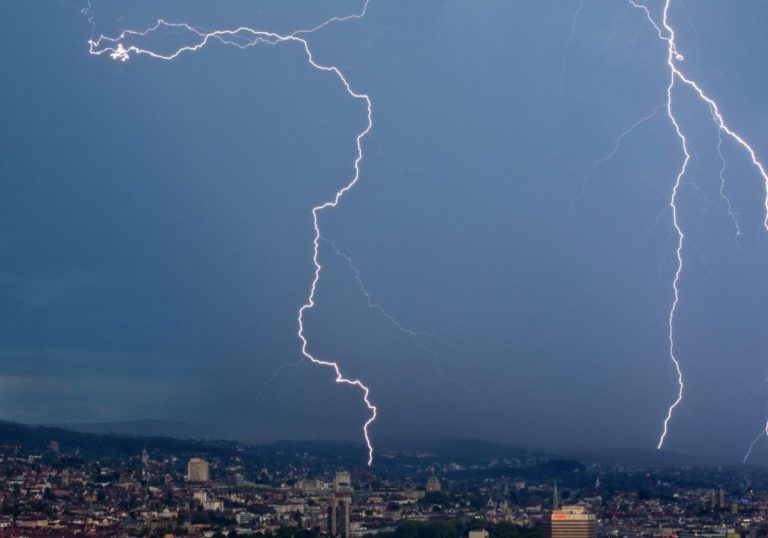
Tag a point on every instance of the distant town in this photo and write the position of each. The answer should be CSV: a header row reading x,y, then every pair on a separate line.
x,y
119,486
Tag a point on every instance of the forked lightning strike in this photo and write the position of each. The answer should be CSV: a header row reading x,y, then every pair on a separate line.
x,y
754,442
667,34
415,335
723,195
119,48
616,145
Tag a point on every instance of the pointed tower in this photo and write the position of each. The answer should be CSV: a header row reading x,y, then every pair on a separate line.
x,y
555,498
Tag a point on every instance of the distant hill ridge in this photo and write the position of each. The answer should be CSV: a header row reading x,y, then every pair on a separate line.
x,y
130,437
148,428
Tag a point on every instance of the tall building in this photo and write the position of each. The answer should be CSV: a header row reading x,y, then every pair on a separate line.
x,y
197,470
569,522
338,511
342,482
338,515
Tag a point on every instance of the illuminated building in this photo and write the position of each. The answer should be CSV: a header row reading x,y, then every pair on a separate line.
x,y
569,522
197,470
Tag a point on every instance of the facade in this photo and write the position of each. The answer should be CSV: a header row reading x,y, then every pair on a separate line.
x,y
342,482
197,470
338,509
338,515
569,522
433,484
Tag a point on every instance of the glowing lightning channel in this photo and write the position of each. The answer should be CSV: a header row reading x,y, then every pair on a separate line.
x,y
571,36
764,432
89,13
616,146
376,306
723,195
667,34
118,49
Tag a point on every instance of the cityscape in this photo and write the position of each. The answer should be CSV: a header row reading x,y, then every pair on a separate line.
x,y
323,489
383,269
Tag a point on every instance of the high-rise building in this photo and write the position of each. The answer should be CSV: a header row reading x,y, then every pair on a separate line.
x,y
338,515
342,482
197,470
569,522
338,511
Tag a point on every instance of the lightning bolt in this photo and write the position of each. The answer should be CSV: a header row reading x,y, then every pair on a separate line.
x,y
564,59
764,432
666,33
723,195
89,13
617,144
122,48
415,335
571,36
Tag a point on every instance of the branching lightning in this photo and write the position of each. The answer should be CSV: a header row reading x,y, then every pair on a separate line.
x,y
723,195
764,431
564,60
568,42
122,48
666,33
415,335
617,144
88,12
760,435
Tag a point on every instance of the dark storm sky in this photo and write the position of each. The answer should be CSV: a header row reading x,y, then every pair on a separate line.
x,y
155,225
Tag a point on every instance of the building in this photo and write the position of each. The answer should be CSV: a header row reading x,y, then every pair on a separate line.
x,y
569,522
338,515
433,484
197,470
245,518
478,534
338,510
342,482
213,505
